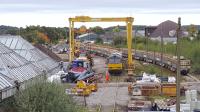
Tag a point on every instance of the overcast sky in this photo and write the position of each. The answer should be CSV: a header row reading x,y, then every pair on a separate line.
x,y
56,12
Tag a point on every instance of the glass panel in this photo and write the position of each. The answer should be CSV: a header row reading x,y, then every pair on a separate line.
x,y
8,42
14,42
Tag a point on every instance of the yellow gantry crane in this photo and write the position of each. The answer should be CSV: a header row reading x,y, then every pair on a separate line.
x,y
128,20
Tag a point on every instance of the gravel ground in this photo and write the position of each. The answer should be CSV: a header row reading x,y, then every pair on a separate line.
x,y
108,94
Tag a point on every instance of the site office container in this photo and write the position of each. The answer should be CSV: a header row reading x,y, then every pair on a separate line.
x,y
169,89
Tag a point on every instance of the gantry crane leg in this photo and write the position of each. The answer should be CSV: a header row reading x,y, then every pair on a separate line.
x,y
129,45
72,42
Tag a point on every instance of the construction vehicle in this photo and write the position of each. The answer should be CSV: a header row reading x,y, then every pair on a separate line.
x,y
93,87
87,57
115,64
80,69
81,62
84,89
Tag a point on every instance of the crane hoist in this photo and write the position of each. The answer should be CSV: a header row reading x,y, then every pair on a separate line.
x,y
127,20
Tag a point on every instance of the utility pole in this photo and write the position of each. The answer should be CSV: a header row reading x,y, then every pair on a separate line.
x,y
161,51
135,48
178,67
147,47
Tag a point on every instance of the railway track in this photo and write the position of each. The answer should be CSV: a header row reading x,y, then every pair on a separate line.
x,y
194,78
168,62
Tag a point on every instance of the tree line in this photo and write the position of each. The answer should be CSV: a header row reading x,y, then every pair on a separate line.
x,y
37,34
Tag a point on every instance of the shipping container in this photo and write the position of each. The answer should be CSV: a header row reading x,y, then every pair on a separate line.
x,y
169,89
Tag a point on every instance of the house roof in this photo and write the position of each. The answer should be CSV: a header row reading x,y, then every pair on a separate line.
x,y
164,28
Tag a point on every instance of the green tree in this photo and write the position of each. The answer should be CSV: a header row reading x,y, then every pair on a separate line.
x,y
98,30
116,29
45,97
118,40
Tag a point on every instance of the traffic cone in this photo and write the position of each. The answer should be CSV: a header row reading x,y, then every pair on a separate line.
x,y
107,76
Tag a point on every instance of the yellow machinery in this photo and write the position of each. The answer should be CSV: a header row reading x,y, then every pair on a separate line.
x,y
128,20
115,64
84,89
77,48
93,87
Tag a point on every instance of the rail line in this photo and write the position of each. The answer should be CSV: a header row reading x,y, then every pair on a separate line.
x,y
168,62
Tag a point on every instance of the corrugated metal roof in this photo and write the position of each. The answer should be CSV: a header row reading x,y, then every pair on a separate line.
x,y
21,61
5,82
15,66
29,52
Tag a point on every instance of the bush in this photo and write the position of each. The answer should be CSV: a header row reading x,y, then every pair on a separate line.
x,y
8,105
45,97
152,70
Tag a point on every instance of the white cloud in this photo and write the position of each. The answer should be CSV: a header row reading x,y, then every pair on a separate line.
x,y
56,13
61,19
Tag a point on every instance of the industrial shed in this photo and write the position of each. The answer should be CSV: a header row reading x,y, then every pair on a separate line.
x,y
6,87
15,69
21,64
30,53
